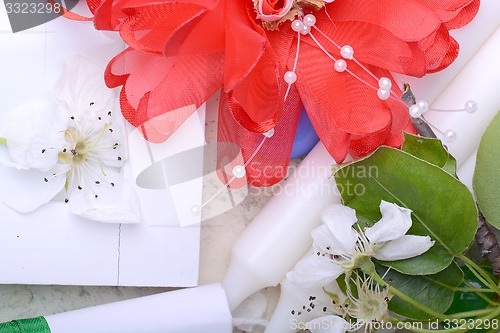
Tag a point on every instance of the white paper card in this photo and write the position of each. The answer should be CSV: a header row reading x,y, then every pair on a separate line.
x,y
51,246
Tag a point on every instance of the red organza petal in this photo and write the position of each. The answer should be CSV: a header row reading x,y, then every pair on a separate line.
x,y
159,91
451,55
269,165
107,17
436,48
408,20
94,4
147,29
252,74
203,35
465,16
244,44
373,45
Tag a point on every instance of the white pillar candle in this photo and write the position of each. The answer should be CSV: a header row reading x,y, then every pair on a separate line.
x,y
281,233
466,171
202,309
479,81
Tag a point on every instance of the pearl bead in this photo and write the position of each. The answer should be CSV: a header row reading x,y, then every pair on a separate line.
x,y
449,136
423,106
383,94
297,25
239,171
347,52
415,111
269,134
471,106
195,210
385,83
305,29
309,20
290,77
340,65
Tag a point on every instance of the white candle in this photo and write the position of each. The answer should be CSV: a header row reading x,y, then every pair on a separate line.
x,y
479,81
281,232
466,171
202,309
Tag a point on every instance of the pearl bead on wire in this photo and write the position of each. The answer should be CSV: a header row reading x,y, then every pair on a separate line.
x,y
471,106
297,25
449,136
290,77
415,111
305,29
347,52
423,106
383,94
385,83
239,171
269,134
340,65
309,20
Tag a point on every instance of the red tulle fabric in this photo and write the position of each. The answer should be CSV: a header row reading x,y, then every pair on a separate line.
x,y
181,52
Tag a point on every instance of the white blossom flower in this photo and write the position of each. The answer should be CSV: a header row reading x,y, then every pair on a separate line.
x,y
370,304
339,248
328,324
71,151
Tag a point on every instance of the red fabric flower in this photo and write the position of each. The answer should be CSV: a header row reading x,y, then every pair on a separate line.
x,y
181,52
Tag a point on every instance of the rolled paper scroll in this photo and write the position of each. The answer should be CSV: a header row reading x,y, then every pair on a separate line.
x,y
202,309
281,233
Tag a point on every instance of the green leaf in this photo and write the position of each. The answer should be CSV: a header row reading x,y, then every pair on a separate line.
x,y
430,150
434,291
486,181
442,206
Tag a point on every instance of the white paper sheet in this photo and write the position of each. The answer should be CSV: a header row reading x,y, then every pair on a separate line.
x,y
51,246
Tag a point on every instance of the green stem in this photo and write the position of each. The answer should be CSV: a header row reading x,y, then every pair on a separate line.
x,y
408,299
3,141
480,273
474,290
472,313
479,292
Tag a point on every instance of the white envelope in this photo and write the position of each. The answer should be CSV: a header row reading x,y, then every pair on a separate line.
x,y
51,246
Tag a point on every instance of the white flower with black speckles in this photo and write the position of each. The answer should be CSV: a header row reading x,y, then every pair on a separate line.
x,y
339,248
370,302
71,151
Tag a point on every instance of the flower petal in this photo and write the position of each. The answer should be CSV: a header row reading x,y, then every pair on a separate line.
x,y
341,237
110,199
314,272
395,222
26,190
405,247
35,135
81,90
328,324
